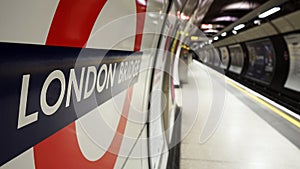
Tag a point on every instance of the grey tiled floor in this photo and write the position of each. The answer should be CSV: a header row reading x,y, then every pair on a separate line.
x,y
242,140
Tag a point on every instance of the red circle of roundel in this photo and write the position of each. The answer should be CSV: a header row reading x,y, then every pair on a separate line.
x,y
61,150
71,26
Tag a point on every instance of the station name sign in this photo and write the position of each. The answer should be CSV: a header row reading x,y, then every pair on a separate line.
x,y
45,88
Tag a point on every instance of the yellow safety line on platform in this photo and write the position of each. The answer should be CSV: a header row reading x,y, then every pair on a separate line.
x,y
274,109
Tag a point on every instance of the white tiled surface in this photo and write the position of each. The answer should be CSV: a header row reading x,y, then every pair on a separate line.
x,y
242,139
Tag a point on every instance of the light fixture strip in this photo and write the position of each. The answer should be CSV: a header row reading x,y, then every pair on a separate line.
x,y
240,26
224,34
269,12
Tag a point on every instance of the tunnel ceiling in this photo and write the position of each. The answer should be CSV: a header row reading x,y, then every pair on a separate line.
x,y
224,12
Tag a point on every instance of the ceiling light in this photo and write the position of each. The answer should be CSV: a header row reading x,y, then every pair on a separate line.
x,y
216,38
224,34
269,12
206,26
241,6
256,22
225,18
234,32
240,26
210,41
211,31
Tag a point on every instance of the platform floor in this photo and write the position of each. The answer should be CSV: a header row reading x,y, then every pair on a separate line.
x,y
241,138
